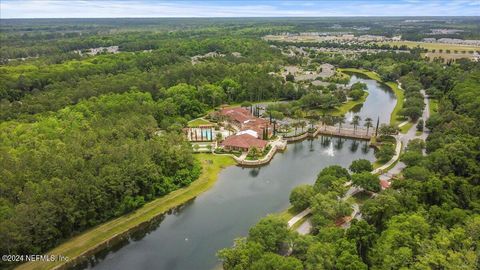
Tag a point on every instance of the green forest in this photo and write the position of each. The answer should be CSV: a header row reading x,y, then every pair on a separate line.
x,y
85,138
430,219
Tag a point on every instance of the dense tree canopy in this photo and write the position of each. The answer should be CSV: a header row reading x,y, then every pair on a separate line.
x,y
429,219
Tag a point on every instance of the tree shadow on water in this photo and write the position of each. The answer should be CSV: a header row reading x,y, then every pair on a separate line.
x,y
354,146
365,148
339,143
253,172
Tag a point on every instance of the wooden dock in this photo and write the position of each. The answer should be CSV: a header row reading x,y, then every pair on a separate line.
x,y
359,133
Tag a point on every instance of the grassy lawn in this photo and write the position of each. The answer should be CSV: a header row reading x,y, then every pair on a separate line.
x,y
433,46
211,166
405,128
347,106
199,121
288,213
372,75
433,106
396,119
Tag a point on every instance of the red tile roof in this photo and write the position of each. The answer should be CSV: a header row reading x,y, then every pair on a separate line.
x,y
238,113
244,141
384,184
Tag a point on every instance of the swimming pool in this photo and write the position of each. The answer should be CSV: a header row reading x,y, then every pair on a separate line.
x,y
207,134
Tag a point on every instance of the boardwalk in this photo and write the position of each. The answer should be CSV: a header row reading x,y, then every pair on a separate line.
x,y
359,133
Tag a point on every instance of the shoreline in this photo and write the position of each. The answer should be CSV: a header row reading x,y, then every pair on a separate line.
x,y
399,94
79,248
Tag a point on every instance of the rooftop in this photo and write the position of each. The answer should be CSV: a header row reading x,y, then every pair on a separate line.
x,y
244,141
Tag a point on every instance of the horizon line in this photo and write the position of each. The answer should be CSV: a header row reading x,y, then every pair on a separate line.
x,y
246,17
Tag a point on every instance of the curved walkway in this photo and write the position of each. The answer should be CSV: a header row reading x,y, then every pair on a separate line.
x,y
401,139
277,145
398,149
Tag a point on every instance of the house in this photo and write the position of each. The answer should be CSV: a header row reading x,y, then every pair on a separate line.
x,y
384,184
236,116
243,142
246,122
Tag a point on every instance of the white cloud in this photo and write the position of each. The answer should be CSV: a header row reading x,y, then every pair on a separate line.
x,y
138,8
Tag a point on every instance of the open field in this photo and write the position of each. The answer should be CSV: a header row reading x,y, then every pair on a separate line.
x,y
433,46
89,240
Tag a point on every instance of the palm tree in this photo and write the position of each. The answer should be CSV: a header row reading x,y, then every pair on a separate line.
x,y
326,120
302,124
355,122
295,125
368,123
314,117
311,122
340,121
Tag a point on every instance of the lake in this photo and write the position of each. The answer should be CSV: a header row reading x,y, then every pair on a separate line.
x,y
190,236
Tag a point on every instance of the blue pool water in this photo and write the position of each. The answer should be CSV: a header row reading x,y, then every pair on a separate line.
x,y
207,134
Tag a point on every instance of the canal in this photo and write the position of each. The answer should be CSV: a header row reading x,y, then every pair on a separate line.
x,y
379,104
189,237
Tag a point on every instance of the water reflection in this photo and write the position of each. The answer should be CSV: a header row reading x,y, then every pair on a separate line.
x,y
311,148
354,146
380,101
365,147
339,143
190,236
253,172
325,141
133,236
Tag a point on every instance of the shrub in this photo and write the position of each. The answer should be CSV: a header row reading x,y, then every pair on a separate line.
x,y
300,196
361,165
385,153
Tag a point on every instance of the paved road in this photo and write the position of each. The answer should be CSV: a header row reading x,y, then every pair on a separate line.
x,y
404,138
410,135
305,228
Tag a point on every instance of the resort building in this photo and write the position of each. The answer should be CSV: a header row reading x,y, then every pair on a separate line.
x,y
243,142
244,121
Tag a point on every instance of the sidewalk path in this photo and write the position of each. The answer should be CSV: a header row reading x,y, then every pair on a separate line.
x,y
398,149
305,228
299,216
386,176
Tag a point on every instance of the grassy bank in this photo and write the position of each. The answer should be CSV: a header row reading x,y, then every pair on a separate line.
x,y
372,75
211,166
347,106
433,106
405,128
395,118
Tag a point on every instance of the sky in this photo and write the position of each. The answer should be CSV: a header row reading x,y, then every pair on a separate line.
x,y
245,8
